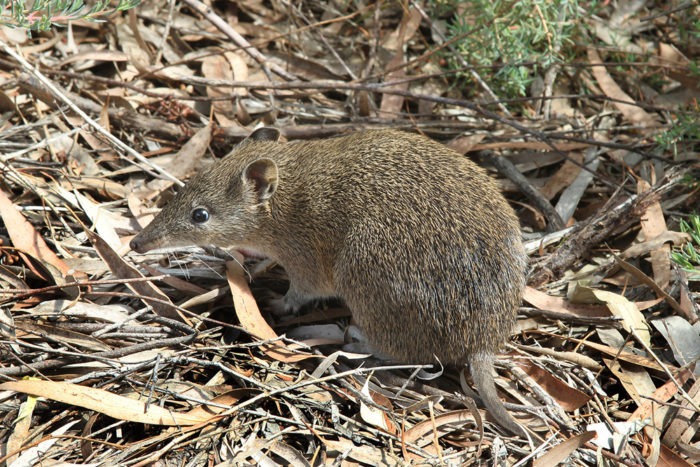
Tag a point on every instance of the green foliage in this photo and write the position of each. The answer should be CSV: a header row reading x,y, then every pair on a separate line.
x,y
685,133
41,15
694,68
689,28
688,256
521,37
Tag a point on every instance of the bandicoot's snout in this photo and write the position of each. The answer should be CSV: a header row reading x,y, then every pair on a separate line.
x,y
135,244
144,242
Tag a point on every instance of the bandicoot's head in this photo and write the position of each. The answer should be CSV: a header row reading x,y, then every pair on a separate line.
x,y
220,206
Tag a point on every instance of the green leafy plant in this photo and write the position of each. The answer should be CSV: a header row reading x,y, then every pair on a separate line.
x,y
688,256
41,15
520,37
684,133
689,28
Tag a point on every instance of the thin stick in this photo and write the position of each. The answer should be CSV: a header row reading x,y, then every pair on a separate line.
x,y
59,94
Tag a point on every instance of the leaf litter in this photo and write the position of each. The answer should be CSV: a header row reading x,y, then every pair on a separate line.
x,y
113,358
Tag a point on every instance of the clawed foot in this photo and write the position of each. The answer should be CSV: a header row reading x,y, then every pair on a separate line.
x,y
284,305
357,343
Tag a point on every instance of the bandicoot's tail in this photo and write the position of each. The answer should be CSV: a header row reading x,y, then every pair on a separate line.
x,y
481,369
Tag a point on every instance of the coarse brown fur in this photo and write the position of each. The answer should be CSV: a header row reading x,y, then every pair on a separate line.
x,y
416,239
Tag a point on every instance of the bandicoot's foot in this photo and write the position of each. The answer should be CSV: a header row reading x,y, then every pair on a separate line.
x,y
289,304
276,304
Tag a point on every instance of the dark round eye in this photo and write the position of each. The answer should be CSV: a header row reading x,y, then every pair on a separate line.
x,y
200,215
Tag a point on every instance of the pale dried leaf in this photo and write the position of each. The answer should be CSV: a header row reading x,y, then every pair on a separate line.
x,y
34,455
105,402
94,55
608,439
372,415
647,246
682,429
103,221
366,454
222,67
571,196
562,451
14,36
636,380
112,313
25,237
464,144
124,270
20,430
633,113
251,319
563,177
653,411
547,302
654,225
391,104
682,338
567,397
619,306
422,433
138,57
189,156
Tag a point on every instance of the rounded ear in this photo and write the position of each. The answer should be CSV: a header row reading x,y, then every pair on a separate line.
x,y
261,176
265,134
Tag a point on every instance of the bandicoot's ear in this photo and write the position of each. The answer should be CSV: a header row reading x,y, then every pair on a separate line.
x,y
264,134
261,176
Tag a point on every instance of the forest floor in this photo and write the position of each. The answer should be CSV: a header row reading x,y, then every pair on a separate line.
x,y
109,357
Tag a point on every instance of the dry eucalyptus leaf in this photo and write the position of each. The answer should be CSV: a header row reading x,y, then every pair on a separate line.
x,y
633,113
251,319
562,451
635,379
682,338
26,238
619,306
105,402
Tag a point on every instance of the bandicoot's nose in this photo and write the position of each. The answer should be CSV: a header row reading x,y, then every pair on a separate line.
x,y
136,244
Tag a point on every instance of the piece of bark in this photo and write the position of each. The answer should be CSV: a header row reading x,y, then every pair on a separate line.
x,y
507,169
589,234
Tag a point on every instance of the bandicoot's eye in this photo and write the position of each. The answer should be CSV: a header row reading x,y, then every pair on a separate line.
x,y
200,215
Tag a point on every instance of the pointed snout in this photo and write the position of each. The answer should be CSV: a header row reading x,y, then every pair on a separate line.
x,y
136,244
146,240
